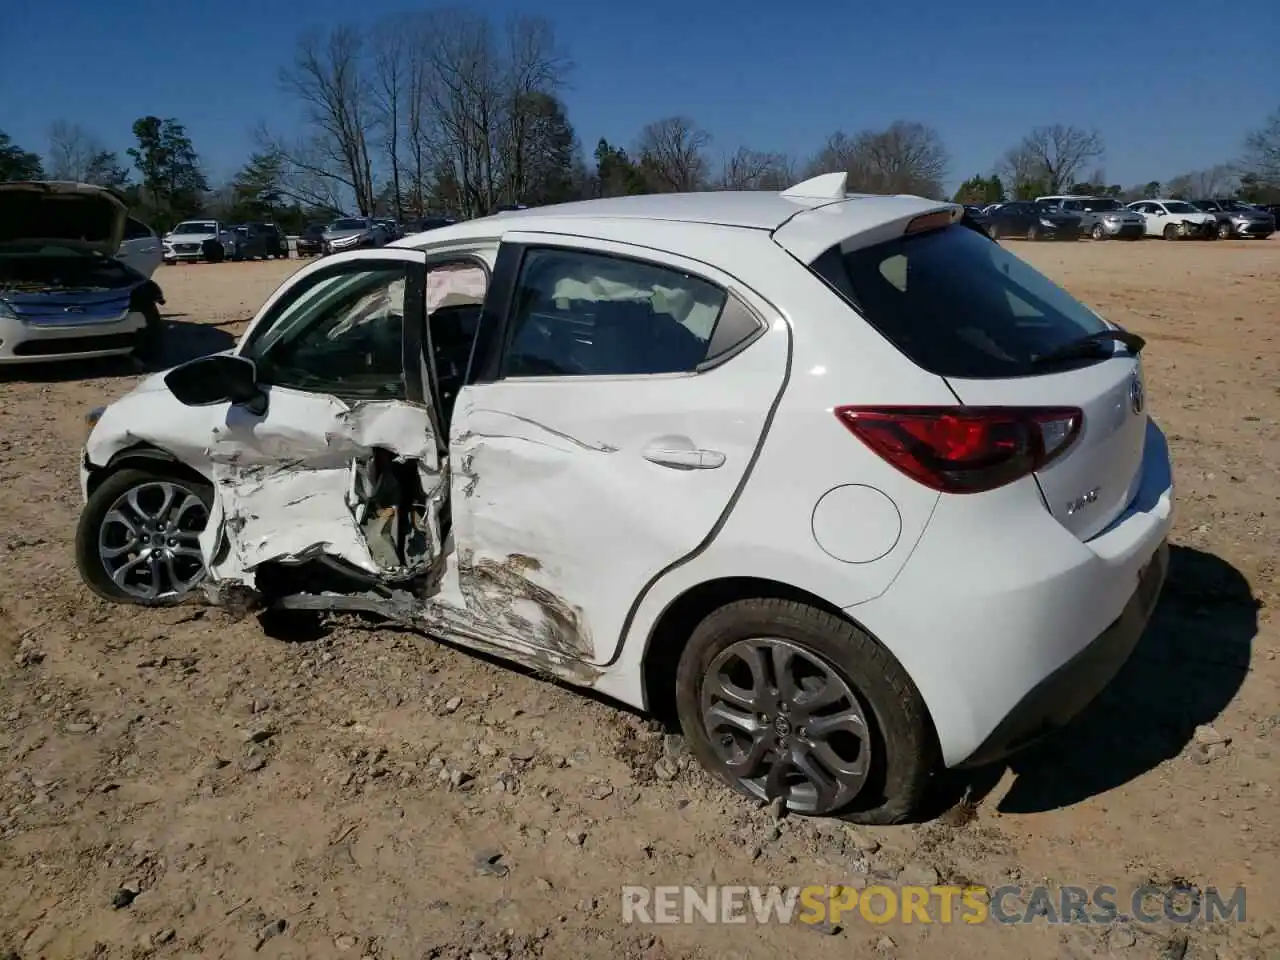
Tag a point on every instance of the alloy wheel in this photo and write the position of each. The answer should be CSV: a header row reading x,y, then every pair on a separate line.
x,y
149,540
783,723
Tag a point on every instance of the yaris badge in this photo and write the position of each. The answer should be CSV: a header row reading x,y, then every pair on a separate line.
x,y
1136,399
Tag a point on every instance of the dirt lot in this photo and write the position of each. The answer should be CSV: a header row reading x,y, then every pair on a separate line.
x,y
180,783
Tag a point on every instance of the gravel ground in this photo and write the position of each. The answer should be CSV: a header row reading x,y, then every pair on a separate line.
x,y
183,783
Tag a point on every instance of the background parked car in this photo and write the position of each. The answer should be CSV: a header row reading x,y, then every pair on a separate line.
x,y
311,240
352,233
63,295
1023,218
140,247
250,242
194,240
977,215
423,224
1100,217
1238,219
276,244
1176,220
390,229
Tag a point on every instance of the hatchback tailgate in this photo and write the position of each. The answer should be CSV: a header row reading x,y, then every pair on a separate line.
x,y
1096,478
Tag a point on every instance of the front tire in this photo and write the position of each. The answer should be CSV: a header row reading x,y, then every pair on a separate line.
x,y
1171,232
1098,233
1033,232
1224,231
781,699
137,538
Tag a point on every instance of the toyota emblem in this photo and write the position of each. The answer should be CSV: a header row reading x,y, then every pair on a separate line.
x,y
1136,399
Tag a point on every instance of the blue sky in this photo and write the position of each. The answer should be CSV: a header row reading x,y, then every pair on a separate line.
x,y
1172,85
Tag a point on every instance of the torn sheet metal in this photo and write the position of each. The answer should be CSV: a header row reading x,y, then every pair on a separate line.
x,y
287,483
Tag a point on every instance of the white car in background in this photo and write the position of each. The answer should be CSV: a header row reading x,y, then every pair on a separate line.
x,y
194,240
839,481
1176,220
140,248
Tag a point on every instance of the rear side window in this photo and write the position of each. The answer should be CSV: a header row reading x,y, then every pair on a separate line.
x,y
586,314
957,304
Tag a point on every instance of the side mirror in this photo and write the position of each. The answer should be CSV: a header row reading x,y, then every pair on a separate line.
x,y
221,378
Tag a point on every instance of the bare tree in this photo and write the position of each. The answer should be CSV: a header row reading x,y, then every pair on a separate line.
x,y
1059,153
328,75
1211,182
1261,158
903,158
72,150
673,154
389,92
1020,169
756,170
535,66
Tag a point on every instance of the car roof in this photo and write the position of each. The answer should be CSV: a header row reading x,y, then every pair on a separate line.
x,y
747,210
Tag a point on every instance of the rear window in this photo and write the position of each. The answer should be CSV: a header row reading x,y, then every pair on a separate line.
x,y
958,304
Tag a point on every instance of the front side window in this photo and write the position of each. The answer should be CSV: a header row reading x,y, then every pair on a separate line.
x,y
585,314
957,304
340,334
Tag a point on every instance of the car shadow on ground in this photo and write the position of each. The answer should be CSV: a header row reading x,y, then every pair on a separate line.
x,y
1189,665
183,340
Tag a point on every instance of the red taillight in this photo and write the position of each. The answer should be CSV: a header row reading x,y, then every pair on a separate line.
x,y
965,449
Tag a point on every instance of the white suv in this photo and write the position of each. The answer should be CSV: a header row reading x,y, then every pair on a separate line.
x,y
849,488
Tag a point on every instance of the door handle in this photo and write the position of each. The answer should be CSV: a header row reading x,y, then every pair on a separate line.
x,y
686,459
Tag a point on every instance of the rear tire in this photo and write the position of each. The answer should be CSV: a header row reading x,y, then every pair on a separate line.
x,y
897,746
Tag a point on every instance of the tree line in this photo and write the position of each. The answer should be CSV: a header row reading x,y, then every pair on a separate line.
x,y
447,112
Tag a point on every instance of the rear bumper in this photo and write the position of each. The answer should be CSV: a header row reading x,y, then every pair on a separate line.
x,y
40,343
1059,697
998,598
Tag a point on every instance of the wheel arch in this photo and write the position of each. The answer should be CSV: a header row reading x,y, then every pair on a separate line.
x,y
675,624
143,456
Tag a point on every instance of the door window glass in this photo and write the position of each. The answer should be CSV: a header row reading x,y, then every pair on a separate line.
x,y
585,314
340,334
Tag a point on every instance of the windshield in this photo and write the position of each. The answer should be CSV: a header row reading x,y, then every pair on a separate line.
x,y
957,304
1180,206
1101,204
349,225
1239,206
313,230
196,226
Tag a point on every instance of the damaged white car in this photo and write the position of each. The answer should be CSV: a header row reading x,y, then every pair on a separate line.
x,y
848,488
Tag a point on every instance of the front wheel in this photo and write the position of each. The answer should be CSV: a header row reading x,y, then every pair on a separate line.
x,y
1171,232
780,699
1224,231
138,537
1033,232
1097,232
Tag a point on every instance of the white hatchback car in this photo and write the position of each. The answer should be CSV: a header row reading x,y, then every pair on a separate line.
x,y
852,490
